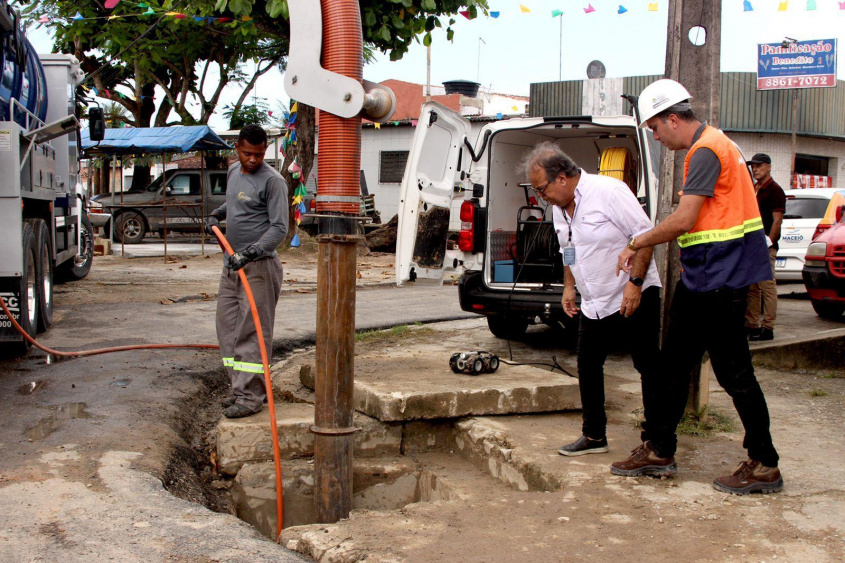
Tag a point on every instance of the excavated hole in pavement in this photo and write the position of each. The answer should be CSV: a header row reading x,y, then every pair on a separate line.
x,y
378,483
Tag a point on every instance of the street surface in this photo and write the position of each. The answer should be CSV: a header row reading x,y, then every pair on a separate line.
x,y
87,443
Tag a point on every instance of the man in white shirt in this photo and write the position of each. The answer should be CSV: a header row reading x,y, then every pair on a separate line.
x,y
593,216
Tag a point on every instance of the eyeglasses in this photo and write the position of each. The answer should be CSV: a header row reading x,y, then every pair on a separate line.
x,y
542,191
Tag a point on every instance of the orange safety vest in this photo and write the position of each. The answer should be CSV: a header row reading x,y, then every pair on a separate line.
x,y
726,247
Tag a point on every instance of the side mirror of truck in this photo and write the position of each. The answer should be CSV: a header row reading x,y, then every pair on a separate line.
x,y
840,211
96,124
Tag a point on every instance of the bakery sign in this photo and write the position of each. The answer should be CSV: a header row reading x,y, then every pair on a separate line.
x,y
796,64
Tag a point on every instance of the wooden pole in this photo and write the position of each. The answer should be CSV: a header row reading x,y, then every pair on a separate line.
x,y
697,68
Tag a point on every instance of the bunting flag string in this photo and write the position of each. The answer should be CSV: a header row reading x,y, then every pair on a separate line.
x,y
295,171
148,11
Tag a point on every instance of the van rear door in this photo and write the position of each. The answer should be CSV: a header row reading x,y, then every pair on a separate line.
x,y
437,157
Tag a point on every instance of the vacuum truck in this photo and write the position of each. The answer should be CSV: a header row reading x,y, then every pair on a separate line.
x,y
44,229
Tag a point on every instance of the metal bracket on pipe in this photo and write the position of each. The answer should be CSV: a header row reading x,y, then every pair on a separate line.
x,y
308,82
333,431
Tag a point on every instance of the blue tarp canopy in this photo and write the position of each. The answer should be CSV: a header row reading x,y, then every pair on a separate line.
x,y
154,140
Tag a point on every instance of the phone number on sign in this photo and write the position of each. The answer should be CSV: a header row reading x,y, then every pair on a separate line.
x,y
795,82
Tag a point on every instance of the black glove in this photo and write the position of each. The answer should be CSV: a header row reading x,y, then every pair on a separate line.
x,y
212,221
241,259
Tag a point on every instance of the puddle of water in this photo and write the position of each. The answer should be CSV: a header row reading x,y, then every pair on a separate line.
x,y
50,424
31,387
121,382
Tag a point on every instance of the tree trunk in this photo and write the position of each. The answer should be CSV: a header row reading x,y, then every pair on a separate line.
x,y
383,239
141,174
303,151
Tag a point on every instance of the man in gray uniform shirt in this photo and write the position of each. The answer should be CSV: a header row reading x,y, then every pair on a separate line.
x,y
256,214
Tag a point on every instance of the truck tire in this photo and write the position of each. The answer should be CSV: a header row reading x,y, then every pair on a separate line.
x,y
80,265
28,306
829,309
509,328
131,227
43,272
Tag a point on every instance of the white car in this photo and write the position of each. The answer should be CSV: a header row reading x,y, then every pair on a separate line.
x,y
804,209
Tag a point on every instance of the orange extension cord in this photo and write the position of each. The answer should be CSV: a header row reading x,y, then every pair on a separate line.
x,y
268,383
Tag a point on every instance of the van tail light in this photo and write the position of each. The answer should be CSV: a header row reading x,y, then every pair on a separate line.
x,y
312,205
466,238
472,226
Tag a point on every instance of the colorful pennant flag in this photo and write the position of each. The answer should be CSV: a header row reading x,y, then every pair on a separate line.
x,y
589,9
494,14
783,6
556,13
465,13
524,9
111,4
77,17
652,6
621,9
413,123
746,6
377,125
811,5
294,242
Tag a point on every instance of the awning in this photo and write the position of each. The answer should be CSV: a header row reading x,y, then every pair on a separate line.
x,y
154,140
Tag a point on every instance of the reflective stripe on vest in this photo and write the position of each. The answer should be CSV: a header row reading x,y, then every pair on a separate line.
x,y
228,362
720,235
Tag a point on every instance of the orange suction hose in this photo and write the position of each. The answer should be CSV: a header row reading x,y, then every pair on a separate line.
x,y
268,384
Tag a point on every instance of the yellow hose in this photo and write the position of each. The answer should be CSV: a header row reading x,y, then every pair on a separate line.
x,y
617,162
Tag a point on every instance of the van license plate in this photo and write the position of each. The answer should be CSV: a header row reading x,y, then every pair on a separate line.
x,y
780,262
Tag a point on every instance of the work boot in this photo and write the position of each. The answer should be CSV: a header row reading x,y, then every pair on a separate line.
x,y
584,445
751,476
764,334
752,332
644,461
228,402
238,410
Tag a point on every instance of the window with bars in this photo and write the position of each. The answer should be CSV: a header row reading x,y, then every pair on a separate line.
x,y
392,166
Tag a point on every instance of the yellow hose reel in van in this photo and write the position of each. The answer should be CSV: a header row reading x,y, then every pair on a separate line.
x,y
618,163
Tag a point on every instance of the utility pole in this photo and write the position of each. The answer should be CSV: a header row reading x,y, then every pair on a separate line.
x,y
697,68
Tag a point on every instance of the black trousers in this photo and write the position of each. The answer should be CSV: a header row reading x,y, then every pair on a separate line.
x,y
639,334
714,322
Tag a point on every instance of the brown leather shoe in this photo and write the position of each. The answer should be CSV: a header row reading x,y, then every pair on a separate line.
x,y
644,461
751,476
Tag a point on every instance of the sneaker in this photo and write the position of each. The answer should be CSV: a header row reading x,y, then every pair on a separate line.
x,y
644,461
764,334
751,476
584,445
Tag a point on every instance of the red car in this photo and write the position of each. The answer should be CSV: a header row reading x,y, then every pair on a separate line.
x,y
824,269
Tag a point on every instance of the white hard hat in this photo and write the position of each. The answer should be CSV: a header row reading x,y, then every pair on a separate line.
x,y
659,96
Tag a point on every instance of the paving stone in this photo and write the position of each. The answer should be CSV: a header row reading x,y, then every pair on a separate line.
x,y
249,439
420,387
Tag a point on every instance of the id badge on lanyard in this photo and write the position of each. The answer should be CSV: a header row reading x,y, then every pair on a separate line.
x,y
569,249
568,255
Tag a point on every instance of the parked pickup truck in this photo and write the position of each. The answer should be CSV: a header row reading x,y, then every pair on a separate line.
x,y
141,211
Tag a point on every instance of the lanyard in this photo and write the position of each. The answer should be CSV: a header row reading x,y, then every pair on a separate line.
x,y
569,222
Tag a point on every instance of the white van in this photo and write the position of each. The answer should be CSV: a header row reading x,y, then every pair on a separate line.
x,y
804,209
504,249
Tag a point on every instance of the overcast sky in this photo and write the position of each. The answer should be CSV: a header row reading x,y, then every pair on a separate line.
x,y
508,53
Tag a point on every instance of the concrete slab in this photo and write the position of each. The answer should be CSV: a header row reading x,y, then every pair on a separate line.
x,y
421,386
249,439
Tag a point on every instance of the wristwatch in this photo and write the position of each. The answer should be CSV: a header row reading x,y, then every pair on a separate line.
x,y
632,244
636,281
